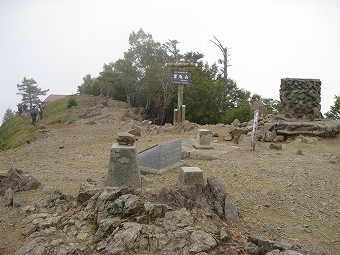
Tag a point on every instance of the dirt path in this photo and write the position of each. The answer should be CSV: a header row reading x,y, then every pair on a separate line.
x,y
279,194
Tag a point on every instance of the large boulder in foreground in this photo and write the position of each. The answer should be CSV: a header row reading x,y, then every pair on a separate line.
x,y
17,181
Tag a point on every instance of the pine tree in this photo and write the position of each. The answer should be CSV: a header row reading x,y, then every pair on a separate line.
x,y
30,91
334,112
8,114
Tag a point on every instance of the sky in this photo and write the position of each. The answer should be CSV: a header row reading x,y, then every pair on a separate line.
x,y
58,42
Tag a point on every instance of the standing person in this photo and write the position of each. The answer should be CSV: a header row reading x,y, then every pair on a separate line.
x,y
34,115
41,108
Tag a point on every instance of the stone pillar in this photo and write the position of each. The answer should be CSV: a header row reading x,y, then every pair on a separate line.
x,y
203,139
123,169
300,98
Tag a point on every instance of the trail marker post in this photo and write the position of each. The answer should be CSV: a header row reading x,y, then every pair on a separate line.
x,y
181,76
255,124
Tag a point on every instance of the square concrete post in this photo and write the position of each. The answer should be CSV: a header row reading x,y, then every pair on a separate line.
x,y
123,169
189,176
203,137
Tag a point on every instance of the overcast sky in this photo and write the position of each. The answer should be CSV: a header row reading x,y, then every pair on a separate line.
x,y
58,42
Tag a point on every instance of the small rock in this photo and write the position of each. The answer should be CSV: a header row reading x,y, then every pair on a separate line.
x,y
225,235
275,146
125,138
17,201
134,132
29,229
279,138
228,137
299,152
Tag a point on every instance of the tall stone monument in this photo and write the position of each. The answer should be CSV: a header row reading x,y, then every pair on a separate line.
x,y
300,98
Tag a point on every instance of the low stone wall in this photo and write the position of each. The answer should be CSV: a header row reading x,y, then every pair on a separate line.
x,y
300,98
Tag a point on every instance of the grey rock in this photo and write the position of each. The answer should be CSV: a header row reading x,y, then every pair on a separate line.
x,y
8,197
135,132
125,138
270,136
275,146
17,201
18,181
231,213
29,229
225,235
279,138
201,241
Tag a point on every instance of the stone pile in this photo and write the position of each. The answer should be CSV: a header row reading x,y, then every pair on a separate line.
x,y
300,98
279,129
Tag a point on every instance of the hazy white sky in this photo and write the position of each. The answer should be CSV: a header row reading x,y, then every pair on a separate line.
x,y
58,42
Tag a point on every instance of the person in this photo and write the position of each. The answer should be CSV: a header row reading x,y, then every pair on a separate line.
x,y
20,109
34,115
41,110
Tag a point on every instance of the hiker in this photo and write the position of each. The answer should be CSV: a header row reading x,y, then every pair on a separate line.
x,y
20,109
41,110
34,115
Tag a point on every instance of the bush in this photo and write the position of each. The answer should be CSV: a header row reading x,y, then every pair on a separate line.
x,y
72,101
242,113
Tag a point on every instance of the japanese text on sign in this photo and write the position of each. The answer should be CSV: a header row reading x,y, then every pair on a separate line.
x,y
181,77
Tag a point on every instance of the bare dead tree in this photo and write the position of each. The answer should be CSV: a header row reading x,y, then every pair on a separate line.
x,y
225,61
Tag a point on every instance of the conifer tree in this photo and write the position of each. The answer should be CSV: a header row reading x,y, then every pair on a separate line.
x,y
30,91
8,114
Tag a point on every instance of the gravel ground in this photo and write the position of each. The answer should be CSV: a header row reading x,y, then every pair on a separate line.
x,y
279,193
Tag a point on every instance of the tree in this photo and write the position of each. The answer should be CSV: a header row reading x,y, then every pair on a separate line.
x,y
225,61
334,112
143,53
126,81
171,47
30,91
160,87
86,88
8,114
204,99
193,57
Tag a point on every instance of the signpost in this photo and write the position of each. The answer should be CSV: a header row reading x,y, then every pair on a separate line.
x,y
181,76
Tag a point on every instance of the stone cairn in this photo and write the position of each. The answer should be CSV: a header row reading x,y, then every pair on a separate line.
x,y
300,98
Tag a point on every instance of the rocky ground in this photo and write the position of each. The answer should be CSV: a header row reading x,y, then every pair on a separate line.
x,y
280,194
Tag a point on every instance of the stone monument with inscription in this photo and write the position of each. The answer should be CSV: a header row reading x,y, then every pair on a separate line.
x,y
160,157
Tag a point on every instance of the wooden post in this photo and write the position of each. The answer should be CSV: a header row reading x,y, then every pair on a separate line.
x,y
180,103
181,68
175,116
183,113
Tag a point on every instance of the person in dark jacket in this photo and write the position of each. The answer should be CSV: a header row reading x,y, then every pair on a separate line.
x,y
34,115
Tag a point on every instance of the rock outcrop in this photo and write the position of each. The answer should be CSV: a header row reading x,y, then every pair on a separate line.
x,y
190,220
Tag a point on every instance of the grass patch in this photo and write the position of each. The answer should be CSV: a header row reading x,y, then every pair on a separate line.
x,y
18,129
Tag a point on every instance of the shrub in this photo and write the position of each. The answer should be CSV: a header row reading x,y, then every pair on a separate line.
x,y
242,113
72,101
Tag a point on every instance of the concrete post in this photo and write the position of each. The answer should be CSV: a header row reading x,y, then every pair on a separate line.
x,y
203,139
123,169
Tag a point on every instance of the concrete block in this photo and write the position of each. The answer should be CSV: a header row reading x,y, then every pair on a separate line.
x,y
189,176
